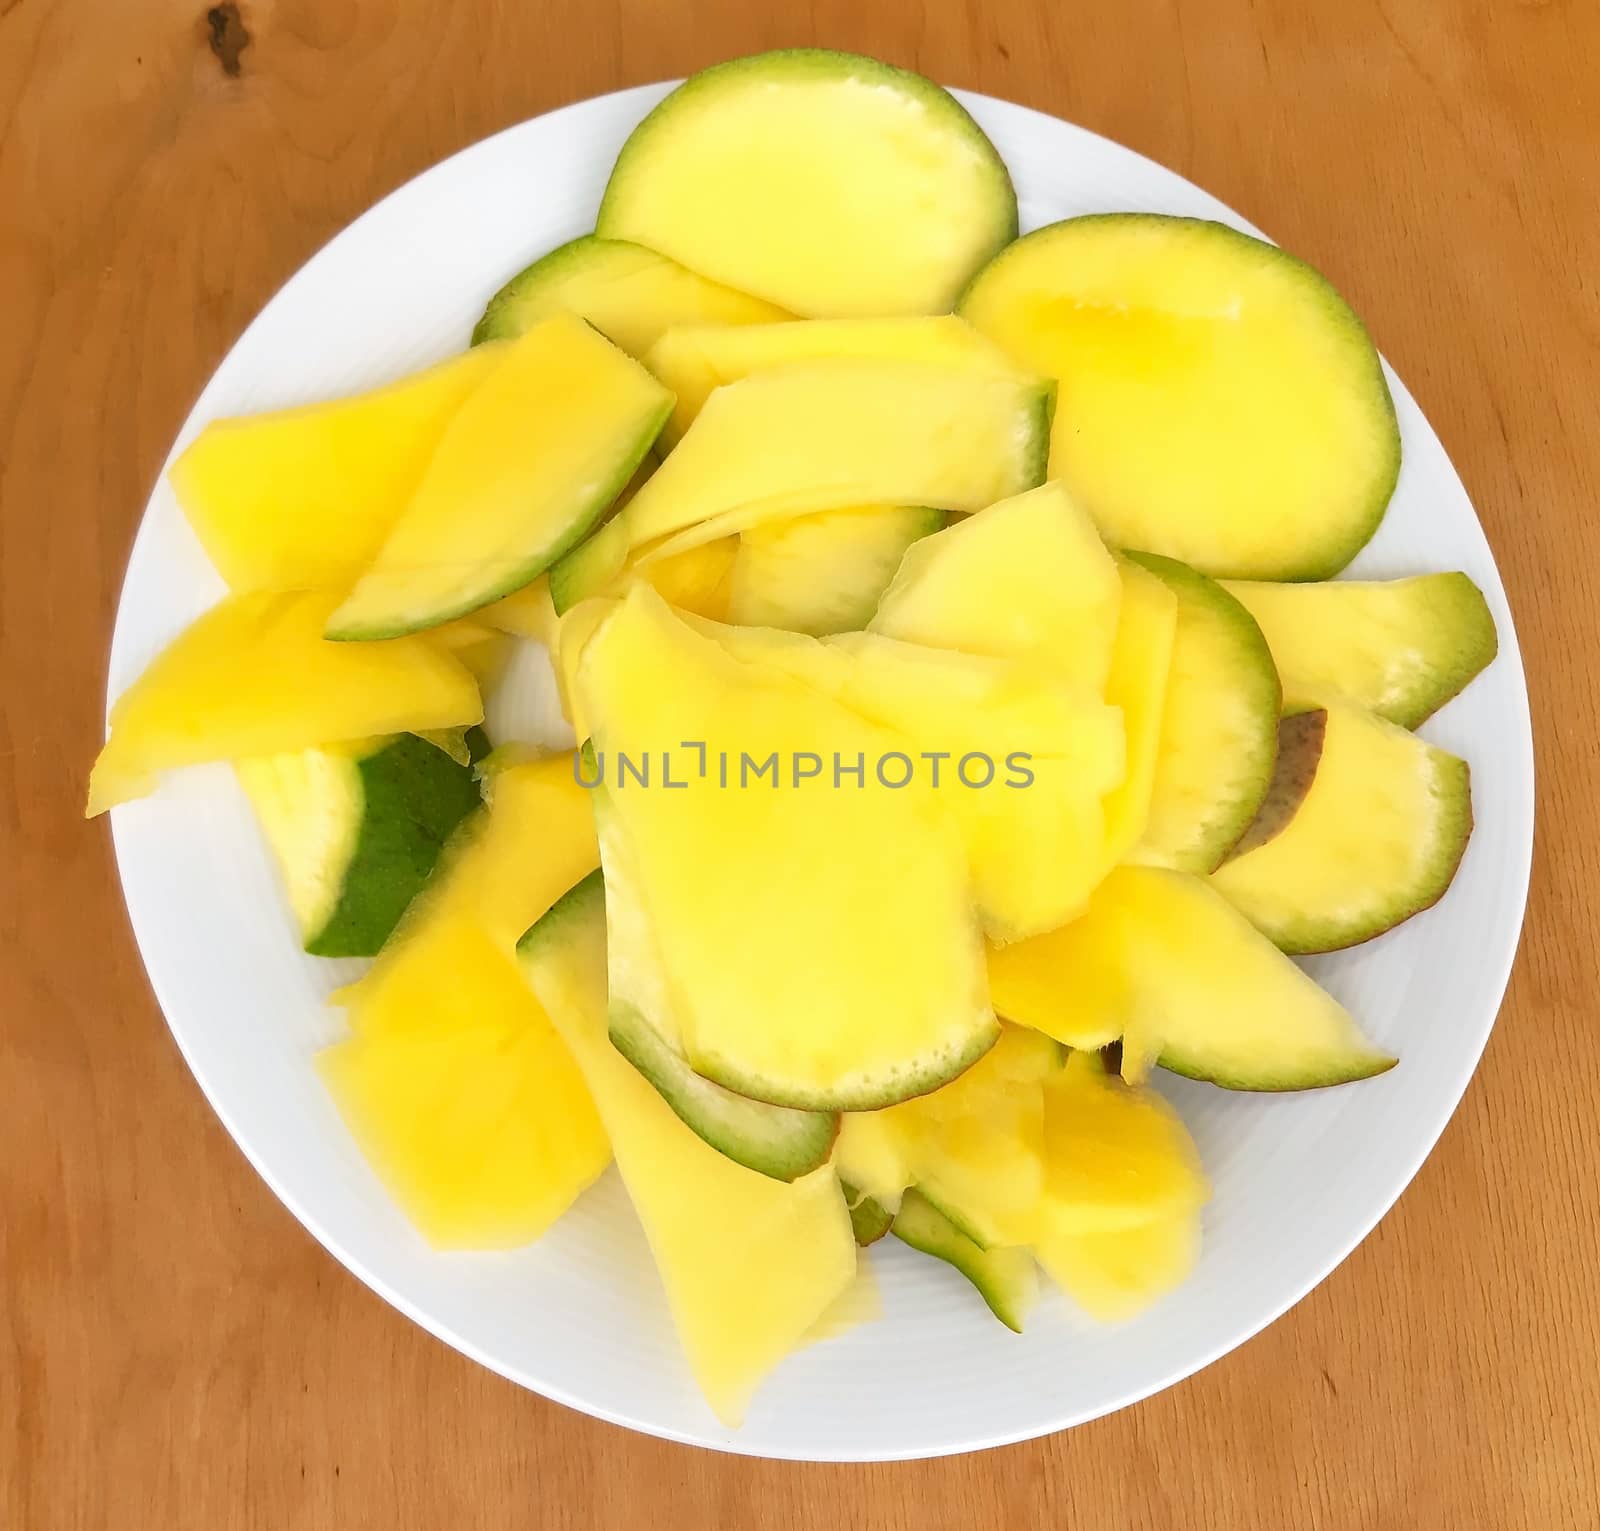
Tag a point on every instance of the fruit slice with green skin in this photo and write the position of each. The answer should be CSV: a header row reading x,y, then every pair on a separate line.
x,y
522,472
853,979
1220,403
826,434
1116,1274
252,676
1301,736
1005,1278
1219,727
829,183
1141,662
356,831
1026,578
1376,838
870,1220
302,498
1400,648
749,1263
630,294
699,579
824,573
698,359
1164,961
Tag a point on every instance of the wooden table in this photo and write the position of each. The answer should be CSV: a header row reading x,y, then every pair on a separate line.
x,y
176,1351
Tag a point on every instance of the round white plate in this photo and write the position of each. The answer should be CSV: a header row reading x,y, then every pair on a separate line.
x,y
579,1317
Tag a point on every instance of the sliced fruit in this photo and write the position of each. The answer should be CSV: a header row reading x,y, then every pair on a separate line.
x,y
827,182
1163,960
356,830
525,613
824,573
823,435
1026,578
630,294
1141,662
1376,837
869,1220
1005,1278
520,475
595,567
696,360
1114,1275
1219,726
1400,648
301,499
1220,403
253,676
699,579
848,980
1301,736
749,1263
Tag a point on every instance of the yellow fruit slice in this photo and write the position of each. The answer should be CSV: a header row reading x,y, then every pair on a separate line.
x,y
254,676
301,499
827,182
750,1264
630,294
1004,1277
819,940
529,462
525,613
1220,403
696,359
1115,1275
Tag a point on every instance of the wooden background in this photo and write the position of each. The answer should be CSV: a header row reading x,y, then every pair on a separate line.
x,y
175,1351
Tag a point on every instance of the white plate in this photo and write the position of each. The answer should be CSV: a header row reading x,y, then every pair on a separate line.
x,y
1299,1179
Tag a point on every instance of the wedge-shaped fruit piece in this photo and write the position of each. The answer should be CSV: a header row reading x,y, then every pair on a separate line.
x,y
1020,755
1376,837
472,1113
870,1220
699,579
1027,578
1219,727
253,676
1400,648
526,466
1141,662
356,830
1116,1274
1220,403
827,182
698,359
1005,1278
1115,1156
749,1263
826,434
301,499
824,573
852,979
630,294
1163,960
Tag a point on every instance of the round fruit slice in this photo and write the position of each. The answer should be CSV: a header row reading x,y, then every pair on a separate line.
x,y
1219,401
1376,837
826,182
1219,725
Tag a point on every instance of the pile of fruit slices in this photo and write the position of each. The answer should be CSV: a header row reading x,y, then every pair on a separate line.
x,y
967,724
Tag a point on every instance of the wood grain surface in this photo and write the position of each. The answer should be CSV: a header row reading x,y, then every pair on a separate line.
x,y
175,1350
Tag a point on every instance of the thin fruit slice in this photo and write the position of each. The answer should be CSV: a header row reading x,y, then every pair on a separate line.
x,y
827,182
870,1220
301,499
253,676
1301,736
356,831
1005,1278
823,435
630,294
1220,403
529,462
749,1263
1141,664
699,579
824,573
698,359
1219,728
1400,648
1376,838
1026,578
1163,960
818,941
1116,1274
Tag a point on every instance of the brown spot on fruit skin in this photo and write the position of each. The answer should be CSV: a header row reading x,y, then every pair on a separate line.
x,y
1300,738
229,37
